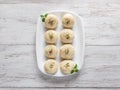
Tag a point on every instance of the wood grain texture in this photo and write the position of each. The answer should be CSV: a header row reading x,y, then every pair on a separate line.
x,y
101,22
59,88
56,1
18,68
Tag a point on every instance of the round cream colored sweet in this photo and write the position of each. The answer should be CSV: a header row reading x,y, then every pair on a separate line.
x,y
67,51
67,36
51,21
68,21
51,36
51,66
51,51
67,66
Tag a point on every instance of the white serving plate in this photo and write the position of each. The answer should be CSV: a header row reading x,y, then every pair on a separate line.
x,y
79,42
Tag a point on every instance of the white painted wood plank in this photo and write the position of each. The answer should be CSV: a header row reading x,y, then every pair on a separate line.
x,y
59,89
101,21
18,68
101,26
56,1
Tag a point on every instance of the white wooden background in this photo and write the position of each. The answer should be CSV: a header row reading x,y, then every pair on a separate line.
x,y
18,67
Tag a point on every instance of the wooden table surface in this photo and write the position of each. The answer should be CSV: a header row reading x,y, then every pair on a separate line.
x,y
18,67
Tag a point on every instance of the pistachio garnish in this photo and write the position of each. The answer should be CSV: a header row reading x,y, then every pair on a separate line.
x,y
51,35
51,21
66,51
67,21
50,51
67,35
67,65
51,65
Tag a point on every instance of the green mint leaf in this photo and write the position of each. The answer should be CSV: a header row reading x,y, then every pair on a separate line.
x,y
43,19
76,70
46,15
72,71
41,15
75,66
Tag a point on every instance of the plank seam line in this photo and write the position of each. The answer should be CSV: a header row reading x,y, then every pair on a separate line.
x,y
66,87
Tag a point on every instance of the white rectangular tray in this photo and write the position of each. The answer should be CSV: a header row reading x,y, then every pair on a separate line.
x,y
79,42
